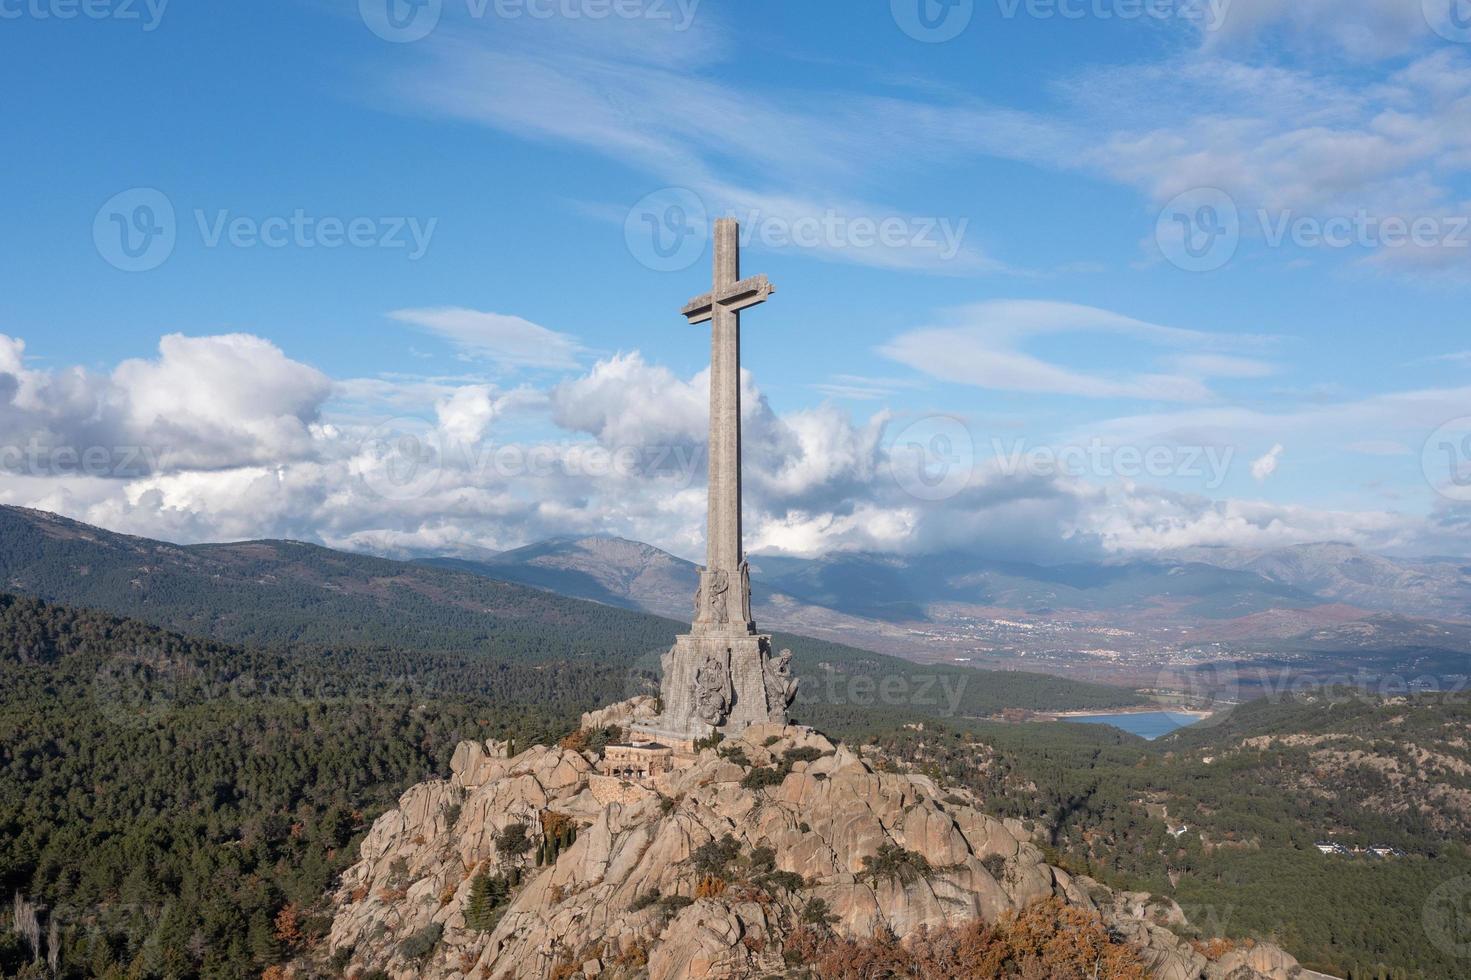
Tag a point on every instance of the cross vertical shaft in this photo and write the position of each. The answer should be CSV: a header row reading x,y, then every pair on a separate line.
x,y
723,604
721,675
723,528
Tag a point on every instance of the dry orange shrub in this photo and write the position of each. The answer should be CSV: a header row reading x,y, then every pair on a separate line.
x,y
1047,940
710,886
288,929
554,823
1213,949
635,956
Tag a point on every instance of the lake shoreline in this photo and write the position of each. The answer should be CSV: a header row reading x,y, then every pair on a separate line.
x,y
1148,725
1195,713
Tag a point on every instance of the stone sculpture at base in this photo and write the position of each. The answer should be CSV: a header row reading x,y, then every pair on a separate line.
x,y
722,676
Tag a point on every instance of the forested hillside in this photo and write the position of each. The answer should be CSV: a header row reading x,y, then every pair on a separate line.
x,y
288,595
278,593
170,799
1254,793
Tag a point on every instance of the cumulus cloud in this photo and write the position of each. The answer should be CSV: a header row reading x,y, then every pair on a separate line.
x,y
804,459
618,448
221,401
465,415
202,403
1129,520
624,400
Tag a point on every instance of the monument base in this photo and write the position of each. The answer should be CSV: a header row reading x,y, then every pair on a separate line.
x,y
718,682
682,744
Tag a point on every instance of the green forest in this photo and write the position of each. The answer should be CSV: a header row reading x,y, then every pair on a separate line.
x,y
178,789
167,799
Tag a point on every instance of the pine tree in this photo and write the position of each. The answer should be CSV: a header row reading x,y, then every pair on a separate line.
x,y
486,896
263,943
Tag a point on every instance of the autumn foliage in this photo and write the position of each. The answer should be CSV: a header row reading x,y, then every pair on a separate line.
x,y
288,926
1048,940
710,886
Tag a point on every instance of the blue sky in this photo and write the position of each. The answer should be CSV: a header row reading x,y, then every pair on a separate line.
x,y
1034,167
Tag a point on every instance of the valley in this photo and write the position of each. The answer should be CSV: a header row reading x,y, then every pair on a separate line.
x,y
240,714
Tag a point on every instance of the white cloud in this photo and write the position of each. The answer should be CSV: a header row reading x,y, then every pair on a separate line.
x,y
1263,467
624,400
859,387
203,403
509,341
979,346
466,414
1225,114
815,154
1132,520
1222,366
1360,28
1400,416
220,401
617,449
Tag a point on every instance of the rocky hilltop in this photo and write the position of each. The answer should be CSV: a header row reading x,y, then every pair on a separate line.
x,y
531,864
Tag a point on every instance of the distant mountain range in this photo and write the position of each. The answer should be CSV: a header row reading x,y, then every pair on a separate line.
x,y
279,593
1430,588
1311,596
604,569
1119,618
289,595
1212,583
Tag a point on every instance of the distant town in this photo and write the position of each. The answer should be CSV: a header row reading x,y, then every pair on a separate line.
x,y
1336,849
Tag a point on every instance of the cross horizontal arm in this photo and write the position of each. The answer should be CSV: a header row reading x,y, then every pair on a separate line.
x,y
746,293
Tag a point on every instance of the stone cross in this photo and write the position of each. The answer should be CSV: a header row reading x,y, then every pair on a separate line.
x,y
724,599
722,676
